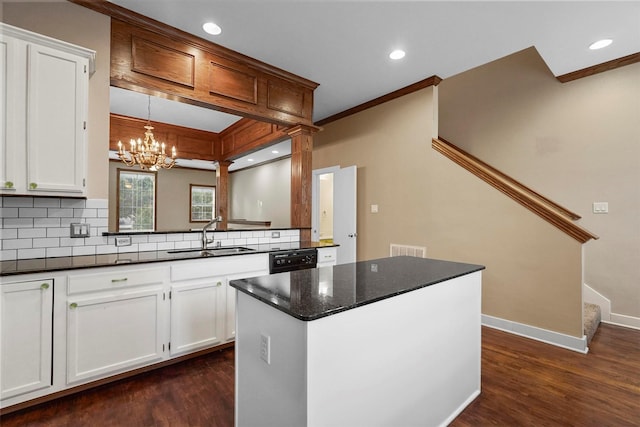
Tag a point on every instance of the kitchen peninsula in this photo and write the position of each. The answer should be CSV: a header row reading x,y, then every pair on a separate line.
x,y
392,341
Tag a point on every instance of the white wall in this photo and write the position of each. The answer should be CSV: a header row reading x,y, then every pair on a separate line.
x,y
262,193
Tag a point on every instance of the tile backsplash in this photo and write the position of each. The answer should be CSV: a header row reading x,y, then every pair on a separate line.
x,y
39,227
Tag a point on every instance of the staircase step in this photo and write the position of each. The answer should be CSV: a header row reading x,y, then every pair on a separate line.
x,y
592,317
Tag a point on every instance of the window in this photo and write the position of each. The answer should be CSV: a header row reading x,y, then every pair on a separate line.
x,y
203,203
136,201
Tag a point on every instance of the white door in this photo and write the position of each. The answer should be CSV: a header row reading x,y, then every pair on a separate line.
x,y
196,320
344,210
114,332
26,336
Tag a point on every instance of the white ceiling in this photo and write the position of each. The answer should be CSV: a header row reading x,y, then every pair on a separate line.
x,y
344,45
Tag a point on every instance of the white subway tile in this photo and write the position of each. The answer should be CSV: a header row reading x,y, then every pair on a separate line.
x,y
83,250
17,244
192,236
239,242
60,213
106,249
8,233
141,238
8,212
246,234
31,253
46,202
264,240
17,222
85,213
71,241
165,246
174,237
127,249
8,255
253,241
95,240
103,213
32,212
144,247
182,245
46,222
156,238
73,203
57,252
48,242
58,232
18,202
30,233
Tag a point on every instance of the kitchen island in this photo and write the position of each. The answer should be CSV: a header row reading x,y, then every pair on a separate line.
x,y
387,342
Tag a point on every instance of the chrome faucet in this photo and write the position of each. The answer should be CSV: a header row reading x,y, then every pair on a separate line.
x,y
205,241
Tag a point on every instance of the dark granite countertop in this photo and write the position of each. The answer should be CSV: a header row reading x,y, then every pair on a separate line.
x,y
320,292
42,265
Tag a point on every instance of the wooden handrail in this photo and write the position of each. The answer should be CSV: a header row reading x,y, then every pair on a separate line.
x,y
550,211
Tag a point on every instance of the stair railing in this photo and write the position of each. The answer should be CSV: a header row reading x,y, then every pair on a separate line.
x,y
547,209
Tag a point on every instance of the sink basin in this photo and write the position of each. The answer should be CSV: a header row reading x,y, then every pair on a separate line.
x,y
227,250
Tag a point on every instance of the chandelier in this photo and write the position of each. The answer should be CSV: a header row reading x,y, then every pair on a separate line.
x,y
148,153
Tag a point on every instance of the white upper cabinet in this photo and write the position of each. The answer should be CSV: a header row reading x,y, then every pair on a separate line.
x,y
43,112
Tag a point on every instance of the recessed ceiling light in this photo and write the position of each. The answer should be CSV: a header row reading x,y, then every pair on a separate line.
x,y
274,151
397,54
600,44
212,28
249,160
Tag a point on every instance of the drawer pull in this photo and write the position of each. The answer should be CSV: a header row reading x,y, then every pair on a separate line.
x,y
73,305
124,279
44,286
218,284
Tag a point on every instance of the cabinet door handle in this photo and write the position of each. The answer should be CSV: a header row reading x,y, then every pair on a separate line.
x,y
33,185
73,305
8,184
218,284
124,279
44,286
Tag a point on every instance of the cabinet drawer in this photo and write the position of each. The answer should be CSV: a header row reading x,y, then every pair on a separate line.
x,y
115,279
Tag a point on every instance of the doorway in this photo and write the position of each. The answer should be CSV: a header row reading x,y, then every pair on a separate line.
x,y
333,210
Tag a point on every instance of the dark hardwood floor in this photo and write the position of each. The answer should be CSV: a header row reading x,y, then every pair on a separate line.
x,y
524,383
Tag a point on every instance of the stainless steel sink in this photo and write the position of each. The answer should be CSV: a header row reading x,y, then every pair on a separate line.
x,y
227,250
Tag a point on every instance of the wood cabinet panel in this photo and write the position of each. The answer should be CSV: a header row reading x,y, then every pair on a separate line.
x,y
153,59
189,143
286,98
233,83
249,135
196,71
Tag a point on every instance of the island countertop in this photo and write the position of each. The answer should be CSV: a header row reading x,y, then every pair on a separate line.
x,y
315,293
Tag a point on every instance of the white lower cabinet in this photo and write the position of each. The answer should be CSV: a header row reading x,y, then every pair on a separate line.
x,y
26,312
110,320
196,320
115,322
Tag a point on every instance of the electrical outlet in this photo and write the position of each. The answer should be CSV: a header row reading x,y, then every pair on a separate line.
x,y
123,241
275,234
265,348
79,230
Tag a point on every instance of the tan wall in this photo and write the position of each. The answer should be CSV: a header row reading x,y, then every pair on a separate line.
x,y
172,204
78,25
577,143
533,271
262,193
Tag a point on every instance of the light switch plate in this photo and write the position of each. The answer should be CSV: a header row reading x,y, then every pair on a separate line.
x,y
600,207
78,230
374,208
123,241
265,348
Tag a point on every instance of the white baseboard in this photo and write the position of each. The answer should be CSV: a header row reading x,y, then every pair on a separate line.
x,y
538,334
592,296
624,320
